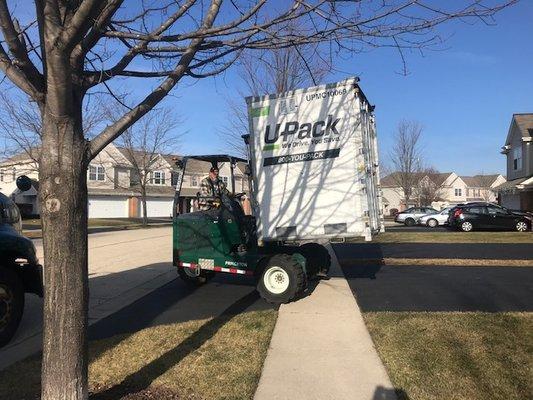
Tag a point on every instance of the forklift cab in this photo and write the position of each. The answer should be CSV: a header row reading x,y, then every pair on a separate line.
x,y
222,234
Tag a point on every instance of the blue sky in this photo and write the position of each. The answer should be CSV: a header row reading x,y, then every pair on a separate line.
x,y
464,96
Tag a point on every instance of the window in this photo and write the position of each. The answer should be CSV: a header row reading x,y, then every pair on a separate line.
x,y
496,210
517,158
225,180
96,173
458,192
477,210
1,176
157,178
174,178
194,180
14,174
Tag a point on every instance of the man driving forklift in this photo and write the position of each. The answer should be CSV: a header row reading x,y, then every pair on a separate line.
x,y
211,186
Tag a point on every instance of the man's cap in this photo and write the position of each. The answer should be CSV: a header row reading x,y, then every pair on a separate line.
x,y
213,169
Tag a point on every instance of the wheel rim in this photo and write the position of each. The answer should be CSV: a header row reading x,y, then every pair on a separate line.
x,y
432,223
6,299
467,226
521,227
276,280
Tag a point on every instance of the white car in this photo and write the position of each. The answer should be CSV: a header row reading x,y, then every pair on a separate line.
x,y
436,219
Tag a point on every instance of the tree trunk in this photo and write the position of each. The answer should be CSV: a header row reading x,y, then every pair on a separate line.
x,y
145,210
63,197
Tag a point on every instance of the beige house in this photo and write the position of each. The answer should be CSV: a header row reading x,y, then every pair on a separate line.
x,y
438,190
113,183
517,192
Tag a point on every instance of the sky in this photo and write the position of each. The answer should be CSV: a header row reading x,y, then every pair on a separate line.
x,y
464,95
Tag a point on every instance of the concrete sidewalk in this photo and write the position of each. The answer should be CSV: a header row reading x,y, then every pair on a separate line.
x,y
322,350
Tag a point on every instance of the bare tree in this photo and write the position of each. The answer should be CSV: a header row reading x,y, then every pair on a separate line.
x,y
21,123
405,158
144,145
72,48
429,187
484,184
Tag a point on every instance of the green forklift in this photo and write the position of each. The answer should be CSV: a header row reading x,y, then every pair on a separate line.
x,y
224,240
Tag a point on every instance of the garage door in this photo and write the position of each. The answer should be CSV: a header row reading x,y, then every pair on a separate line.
x,y
108,207
159,207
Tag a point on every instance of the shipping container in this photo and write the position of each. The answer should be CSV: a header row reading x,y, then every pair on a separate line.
x,y
314,164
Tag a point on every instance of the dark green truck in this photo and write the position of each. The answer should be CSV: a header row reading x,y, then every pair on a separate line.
x,y
20,271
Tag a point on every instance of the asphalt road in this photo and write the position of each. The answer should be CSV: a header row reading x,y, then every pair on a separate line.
x,y
438,288
434,288
496,251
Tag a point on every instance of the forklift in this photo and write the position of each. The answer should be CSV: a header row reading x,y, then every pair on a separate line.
x,y
224,240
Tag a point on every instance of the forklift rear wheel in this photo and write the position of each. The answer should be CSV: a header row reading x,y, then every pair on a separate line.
x,y
282,279
11,304
189,276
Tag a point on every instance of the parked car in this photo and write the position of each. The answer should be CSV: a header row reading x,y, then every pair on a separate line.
x,y
468,217
411,216
433,220
20,271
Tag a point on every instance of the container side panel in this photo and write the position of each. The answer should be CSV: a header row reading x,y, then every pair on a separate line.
x,y
310,170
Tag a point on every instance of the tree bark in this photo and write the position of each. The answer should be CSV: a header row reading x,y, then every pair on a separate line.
x,y
145,210
63,196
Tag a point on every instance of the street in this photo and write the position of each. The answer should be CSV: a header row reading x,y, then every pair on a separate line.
x,y
438,288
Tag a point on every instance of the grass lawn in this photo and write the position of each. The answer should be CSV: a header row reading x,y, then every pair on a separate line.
x,y
220,358
434,356
454,237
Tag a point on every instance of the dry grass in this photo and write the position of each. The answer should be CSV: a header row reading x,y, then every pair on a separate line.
x,y
456,356
206,359
449,262
453,237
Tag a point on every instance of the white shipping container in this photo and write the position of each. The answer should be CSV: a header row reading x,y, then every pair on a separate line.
x,y
314,163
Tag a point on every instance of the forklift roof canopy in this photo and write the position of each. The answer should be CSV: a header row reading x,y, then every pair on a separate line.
x,y
214,159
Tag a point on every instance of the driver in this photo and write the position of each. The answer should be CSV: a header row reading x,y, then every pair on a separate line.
x,y
211,186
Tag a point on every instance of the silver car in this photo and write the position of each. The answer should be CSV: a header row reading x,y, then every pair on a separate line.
x,y
411,216
438,219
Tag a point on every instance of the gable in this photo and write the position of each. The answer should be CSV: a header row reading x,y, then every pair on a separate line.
x,y
521,127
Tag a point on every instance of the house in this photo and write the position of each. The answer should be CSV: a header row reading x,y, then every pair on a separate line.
x,y
517,192
438,190
482,187
113,183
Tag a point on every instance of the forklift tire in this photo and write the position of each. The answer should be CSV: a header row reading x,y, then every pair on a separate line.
x,y
282,280
11,304
317,259
195,280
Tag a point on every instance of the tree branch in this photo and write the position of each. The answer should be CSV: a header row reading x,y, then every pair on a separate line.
x,y
113,131
16,47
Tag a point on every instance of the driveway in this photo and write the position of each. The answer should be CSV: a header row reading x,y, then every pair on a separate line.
x,y
438,288
123,266
487,251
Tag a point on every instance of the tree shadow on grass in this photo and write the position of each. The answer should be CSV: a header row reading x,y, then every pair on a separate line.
x,y
142,379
